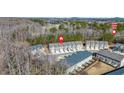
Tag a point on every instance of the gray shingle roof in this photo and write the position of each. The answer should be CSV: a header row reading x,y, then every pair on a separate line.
x,y
77,57
119,47
111,55
36,47
119,71
67,44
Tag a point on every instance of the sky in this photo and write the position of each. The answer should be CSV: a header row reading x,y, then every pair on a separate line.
x,y
61,8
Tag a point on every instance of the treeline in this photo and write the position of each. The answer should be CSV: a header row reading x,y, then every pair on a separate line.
x,y
39,20
77,24
54,39
120,27
107,37
67,38
15,53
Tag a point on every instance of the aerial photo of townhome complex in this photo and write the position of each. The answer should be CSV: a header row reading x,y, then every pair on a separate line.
x,y
61,46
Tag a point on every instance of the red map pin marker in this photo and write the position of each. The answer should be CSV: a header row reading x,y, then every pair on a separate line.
x,y
114,25
114,28
114,32
61,39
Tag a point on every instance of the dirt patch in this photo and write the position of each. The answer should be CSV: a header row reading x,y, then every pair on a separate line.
x,y
99,68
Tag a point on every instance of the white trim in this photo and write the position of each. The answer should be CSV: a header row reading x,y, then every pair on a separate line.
x,y
78,64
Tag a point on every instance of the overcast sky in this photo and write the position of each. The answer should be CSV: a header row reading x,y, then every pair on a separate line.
x,y
62,8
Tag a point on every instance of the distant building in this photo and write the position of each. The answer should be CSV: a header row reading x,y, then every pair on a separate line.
x,y
77,60
118,48
36,49
113,59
